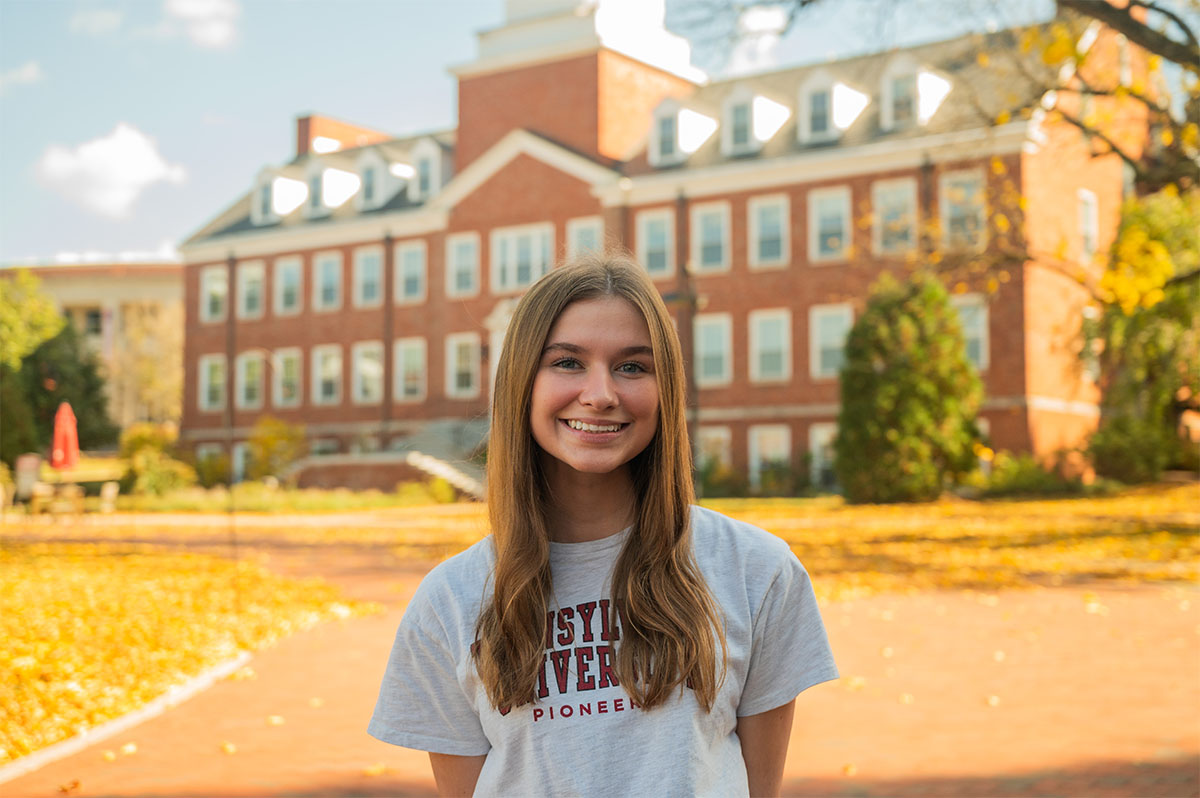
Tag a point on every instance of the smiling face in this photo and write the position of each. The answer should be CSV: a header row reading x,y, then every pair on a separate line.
x,y
594,402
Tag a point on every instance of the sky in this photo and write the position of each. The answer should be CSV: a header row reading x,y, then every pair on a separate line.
x,y
126,125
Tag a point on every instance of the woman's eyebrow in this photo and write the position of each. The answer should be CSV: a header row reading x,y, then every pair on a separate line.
x,y
576,349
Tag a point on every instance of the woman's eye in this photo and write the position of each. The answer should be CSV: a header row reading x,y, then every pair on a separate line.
x,y
631,368
566,363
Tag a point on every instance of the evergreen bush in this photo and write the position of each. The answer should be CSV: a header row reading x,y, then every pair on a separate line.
x,y
906,430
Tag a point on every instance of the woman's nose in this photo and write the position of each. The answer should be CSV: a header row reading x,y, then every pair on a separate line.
x,y
599,390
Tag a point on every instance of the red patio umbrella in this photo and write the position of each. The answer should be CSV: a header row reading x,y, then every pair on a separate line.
x,y
65,452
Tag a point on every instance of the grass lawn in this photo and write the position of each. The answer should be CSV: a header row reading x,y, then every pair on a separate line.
x,y
93,631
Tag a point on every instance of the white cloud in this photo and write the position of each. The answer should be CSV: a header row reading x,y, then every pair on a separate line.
x,y
95,21
108,174
208,23
29,72
759,32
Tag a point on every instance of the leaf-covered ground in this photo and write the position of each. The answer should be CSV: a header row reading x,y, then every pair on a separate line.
x,y
93,631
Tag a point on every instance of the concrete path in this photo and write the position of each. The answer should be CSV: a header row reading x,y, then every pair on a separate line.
x,y
1073,691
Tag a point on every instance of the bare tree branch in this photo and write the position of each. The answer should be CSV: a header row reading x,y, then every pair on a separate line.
x,y
1186,54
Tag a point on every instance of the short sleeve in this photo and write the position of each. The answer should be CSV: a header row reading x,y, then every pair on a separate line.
x,y
422,701
789,651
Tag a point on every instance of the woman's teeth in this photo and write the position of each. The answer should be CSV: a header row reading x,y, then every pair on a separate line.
x,y
585,427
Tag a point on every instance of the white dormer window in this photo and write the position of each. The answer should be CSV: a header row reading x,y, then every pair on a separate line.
x,y
378,181
264,201
314,193
328,188
827,107
750,121
430,170
667,145
369,186
677,133
910,94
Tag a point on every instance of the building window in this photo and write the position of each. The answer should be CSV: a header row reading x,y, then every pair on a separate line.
x,y
410,272
770,345
769,222
239,461
462,264
819,114
714,446
327,374
314,193
828,326
668,137
366,372
424,176
821,439
285,377
93,321
739,134
894,227
829,224
904,100
327,285
409,371
655,241
249,381
368,277
1089,225
962,210
211,393
770,449
520,255
251,284
289,286
214,292
265,209
710,236
973,317
585,235
713,337
462,365
368,186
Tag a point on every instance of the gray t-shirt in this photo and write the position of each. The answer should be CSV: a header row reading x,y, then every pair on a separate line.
x,y
584,736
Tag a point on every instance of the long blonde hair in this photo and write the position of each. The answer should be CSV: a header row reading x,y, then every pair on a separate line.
x,y
670,629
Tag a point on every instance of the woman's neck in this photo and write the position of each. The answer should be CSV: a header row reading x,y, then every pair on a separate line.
x,y
589,506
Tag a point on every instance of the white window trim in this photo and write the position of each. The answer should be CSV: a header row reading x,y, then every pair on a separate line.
x,y
429,149
739,96
257,217
206,275
404,247
901,66
725,322
452,241
317,169
245,271
494,256
814,343
371,159
785,250
360,254
944,209
753,446
842,194
315,375
452,342
880,187
804,131
202,384
643,221
784,315
203,451
818,435
668,108
357,351
296,262
398,348
574,226
240,385
721,207
723,436
317,306
1089,217
959,301
277,358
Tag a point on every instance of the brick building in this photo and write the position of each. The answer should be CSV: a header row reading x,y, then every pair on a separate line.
x,y
363,288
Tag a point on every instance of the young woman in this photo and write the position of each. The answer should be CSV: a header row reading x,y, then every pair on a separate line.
x,y
608,638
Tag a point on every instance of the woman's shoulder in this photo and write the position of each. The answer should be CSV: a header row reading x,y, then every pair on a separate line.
x,y
466,573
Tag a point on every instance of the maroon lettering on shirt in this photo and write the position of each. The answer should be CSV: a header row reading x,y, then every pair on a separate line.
x,y
566,634
586,609
583,663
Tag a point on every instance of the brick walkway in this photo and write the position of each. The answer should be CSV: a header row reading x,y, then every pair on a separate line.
x,y
1073,691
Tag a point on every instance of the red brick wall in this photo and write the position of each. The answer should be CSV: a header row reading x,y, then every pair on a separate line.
x,y
309,127
629,91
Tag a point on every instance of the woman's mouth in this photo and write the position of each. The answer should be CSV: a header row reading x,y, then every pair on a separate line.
x,y
584,426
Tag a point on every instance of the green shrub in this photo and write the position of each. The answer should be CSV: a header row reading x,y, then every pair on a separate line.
x,y
906,430
145,435
781,478
718,480
273,446
213,470
1131,449
1022,475
154,473
441,491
